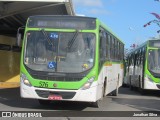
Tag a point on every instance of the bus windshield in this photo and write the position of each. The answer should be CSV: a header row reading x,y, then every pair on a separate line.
x,y
66,52
154,60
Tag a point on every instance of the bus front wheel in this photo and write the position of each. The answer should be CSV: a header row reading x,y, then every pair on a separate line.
x,y
97,103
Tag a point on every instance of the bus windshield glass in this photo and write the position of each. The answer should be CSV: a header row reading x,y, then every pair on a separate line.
x,y
67,52
154,60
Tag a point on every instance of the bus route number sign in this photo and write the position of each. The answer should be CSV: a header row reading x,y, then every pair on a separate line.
x,y
43,84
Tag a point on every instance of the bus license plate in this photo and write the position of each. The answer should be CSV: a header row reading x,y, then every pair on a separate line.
x,y
55,97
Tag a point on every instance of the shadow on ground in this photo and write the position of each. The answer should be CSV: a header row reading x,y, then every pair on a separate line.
x,y
147,102
11,97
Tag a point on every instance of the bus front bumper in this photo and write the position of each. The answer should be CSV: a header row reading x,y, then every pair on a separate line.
x,y
150,84
88,95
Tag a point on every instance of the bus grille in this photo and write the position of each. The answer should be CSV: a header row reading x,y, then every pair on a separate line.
x,y
54,78
57,76
65,95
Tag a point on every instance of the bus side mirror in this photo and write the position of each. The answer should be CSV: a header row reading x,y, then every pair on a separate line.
x,y
19,36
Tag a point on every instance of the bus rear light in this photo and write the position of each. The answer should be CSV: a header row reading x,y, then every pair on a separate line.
x,y
88,84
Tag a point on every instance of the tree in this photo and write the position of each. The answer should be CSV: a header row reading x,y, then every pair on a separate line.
x,y
156,21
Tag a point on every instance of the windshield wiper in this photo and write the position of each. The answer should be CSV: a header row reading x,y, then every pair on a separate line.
x,y
73,39
46,36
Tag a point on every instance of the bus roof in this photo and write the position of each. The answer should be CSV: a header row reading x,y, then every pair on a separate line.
x,y
85,17
142,45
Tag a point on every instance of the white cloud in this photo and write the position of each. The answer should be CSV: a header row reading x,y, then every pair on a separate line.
x,y
92,7
98,11
88,3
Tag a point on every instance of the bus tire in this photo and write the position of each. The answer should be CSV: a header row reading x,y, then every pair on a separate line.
x,y
124,85
44,102
97,103
104,88
130,83
140,89
115,92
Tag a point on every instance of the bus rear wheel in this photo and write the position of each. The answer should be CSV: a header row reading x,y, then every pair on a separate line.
x,y
130,83
140,89
44,102
115,92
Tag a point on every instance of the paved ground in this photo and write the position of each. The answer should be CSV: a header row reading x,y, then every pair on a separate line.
x,y
126,101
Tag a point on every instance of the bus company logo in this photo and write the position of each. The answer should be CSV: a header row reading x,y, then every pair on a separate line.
x,y
20,114
6,114
54,85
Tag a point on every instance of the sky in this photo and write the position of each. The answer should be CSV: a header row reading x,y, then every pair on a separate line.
x,y
125,18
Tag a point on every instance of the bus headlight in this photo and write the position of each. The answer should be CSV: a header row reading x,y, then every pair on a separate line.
x,y
25,80
88,84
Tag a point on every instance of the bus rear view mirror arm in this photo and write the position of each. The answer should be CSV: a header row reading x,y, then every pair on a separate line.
x,y
19,35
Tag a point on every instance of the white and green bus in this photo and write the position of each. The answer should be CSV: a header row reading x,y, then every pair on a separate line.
x,y
70,58
143,67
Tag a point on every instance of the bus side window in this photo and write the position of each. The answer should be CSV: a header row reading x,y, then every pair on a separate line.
x,y
135,60
108,46
144,57
111,48
116,49
102,47
129,63
121,51
139,58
